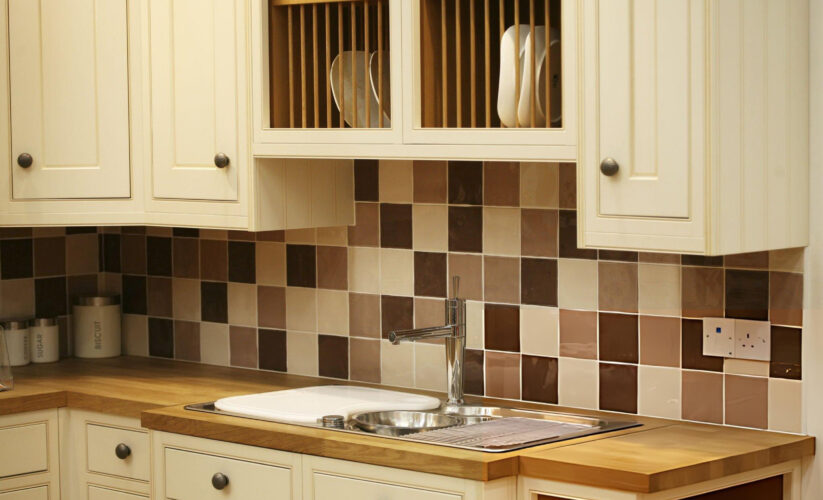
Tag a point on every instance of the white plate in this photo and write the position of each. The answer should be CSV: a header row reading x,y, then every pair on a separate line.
x,y
524,106
510,51
354,68
373,76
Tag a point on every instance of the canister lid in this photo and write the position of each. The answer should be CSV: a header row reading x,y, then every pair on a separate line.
x,y
43,322
97,300
15,324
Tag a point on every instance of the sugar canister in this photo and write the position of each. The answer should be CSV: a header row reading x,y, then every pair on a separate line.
x,y
17,341
96,326
45,340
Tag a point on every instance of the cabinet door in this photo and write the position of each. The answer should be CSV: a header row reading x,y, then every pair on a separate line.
x,y
36,493
194,98
98,493
69,98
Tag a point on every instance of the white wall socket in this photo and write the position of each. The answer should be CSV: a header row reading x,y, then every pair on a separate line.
x,y
752,340
718,337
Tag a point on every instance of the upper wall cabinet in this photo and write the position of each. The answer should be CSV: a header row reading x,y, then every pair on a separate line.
x,y
694,133
69,99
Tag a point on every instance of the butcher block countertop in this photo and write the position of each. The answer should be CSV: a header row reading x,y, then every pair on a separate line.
x,y
659,455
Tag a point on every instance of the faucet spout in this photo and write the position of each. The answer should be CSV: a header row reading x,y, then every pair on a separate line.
x,y
434,332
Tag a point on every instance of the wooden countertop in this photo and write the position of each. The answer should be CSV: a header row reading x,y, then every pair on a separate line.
x,y
661,454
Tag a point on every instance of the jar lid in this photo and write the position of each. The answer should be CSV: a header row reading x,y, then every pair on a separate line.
x,y
15,324
43,322
97,300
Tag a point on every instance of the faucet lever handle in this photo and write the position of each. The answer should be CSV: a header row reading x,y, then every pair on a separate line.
x,y
456,286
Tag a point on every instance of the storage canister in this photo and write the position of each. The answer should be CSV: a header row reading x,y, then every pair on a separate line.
x,y
45,340
17,341
96,326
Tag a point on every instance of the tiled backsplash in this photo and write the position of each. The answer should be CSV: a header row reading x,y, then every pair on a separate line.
x,y
547,321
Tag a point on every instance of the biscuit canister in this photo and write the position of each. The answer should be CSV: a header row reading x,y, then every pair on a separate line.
x,y
96,326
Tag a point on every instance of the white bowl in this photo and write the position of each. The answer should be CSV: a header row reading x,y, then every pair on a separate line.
x,y
354,69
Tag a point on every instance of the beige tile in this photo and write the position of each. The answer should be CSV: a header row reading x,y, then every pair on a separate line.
x,y
659,290
270,263
430,228
305,236
333,236
658,392
397,364
81,253
429,368
186,299
788,259
396,272
538,330
577,284
746,367
475,324
501,231
17,298
396,181
301,309
301,353
333,312
364,269
214,344
539,185
242,304
135,335
785,405
577,383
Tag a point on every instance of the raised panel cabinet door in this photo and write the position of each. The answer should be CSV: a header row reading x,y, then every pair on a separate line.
x,y
36,493
69,95
194,99
100,493
331,487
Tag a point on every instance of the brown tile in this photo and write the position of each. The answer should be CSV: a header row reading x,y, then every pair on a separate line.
x,y
702,292
185,258
578,334
395,225
465,229
50,256
214,260
747,294
538,232
691,350
618,337
502,279
133,254
470,270
502,375
301,266
16,259
702,395
617,255
618,388
502,328
787,259
658,258
465,182
270,263
567,241
243,346
366,231
617,286
747,401
396,313
187,340
539,379
501,183
364,356
333,356
271,307
364,315
430,274
786,353
275,236
241,236
538,282
271,345
26,232
366,180
473,374
753,260
700,260
430,181
659,341
133,229
428,313
333,268
242,265
159,297
82,284
568,185
786,299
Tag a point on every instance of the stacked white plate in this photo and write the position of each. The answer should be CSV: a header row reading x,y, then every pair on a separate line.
x,y
354,69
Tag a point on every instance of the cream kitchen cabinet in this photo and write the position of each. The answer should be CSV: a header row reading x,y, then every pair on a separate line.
x,y
32,471
694,126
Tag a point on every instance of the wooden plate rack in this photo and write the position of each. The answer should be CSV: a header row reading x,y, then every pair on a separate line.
x,y
305,37
460,61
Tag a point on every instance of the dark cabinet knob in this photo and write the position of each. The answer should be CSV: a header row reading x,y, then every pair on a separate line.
x,y
221,160
219,480
609,167
25,160
122,451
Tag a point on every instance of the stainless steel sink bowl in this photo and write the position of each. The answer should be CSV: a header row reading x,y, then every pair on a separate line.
x,y
401,423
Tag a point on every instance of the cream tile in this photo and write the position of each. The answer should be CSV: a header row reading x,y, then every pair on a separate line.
x,y
430,228
396,181
301,309
539,185
333,236
577,284
658,391
746,367
397,367
301,353
538,330
785,405
185,299
214,344
17,298
429,367
135,335
333,312
242,304
305,236
577,383
501,231
396,272
81,253
659,290
364,269
270,263
475,324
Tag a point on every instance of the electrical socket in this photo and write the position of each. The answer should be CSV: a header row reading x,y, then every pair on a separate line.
x,y
718,337
752,340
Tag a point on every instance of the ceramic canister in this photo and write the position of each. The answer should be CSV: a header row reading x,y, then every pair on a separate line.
x,y
45,340
96,326
17,341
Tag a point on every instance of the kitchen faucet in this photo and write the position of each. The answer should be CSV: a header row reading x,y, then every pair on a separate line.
x,y
454,331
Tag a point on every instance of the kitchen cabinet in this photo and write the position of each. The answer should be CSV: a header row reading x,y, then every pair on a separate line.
x,y
32,471
694,132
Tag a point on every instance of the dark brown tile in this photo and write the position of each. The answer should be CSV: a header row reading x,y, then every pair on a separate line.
x,y
617,286
538,282
659,258
364,315
692,348
702,397
50,256
502,375
132,229
275,236
700,260
466,182
69,230
786,353
16,259
538,232
501,183
158,256
567,241
333,268
214,302
786,299
470,270
159,297
26,232
747,401
618,337
134,294
395,225
465,229
659,341
578,334
240,236
301,265
568,185
618,387
473,374
186,258
133,254
241,262
50,297
271,307
161,337
366,180
539,379
430,181
502,327
185,232
364,359
753,260
81,284
702,292
187,340
430,274
366,231
397,313
214,260
501,279
747,294
617,255
271,347
111,253
243,346
333,356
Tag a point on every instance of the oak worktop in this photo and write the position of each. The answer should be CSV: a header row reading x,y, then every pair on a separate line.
x,y
659,455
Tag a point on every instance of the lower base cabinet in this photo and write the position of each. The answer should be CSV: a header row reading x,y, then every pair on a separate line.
x,y
32,470
36,493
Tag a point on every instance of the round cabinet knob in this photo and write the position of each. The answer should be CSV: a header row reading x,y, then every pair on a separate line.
x,y
219,481
25,160
122,451
221,160
609,166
